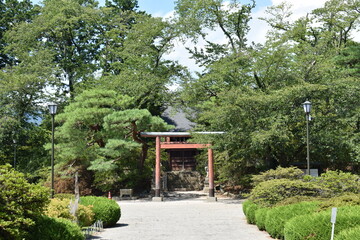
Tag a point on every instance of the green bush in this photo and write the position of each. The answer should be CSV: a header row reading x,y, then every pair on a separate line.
x,y
245,206
349,234
20,203
84,215
278,216
260,217
250,213
61,209
105,209
339,182
292,173
298,199
47,228
63,196
348,199
271,192
317,226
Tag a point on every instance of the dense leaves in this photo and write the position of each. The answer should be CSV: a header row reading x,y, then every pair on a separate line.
x,y
20,203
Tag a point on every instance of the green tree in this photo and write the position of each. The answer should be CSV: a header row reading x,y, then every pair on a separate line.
x,y
100,132
138,68
12,13
256,95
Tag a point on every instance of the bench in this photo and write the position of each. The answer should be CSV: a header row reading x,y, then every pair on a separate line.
x,y
126,193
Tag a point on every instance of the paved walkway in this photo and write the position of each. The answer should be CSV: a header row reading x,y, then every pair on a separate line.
x,y
183,218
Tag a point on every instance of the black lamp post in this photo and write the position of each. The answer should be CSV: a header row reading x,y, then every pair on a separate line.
x,y
14,141
307,109
52,109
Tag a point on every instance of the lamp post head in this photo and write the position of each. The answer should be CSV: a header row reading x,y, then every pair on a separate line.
x,y
307,107
52,108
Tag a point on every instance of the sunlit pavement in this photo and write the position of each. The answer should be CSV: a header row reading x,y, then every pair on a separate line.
x,y
182,216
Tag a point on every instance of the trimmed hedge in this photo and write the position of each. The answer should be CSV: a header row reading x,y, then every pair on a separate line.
x,y
271,192
245,206
317,226
349,234
47,228
278,216
249,209
106,210
260,217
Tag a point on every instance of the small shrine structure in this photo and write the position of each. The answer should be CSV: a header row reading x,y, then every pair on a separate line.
x,y
176,142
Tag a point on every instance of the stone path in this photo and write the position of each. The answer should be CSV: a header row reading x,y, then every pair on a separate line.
x,y
182,218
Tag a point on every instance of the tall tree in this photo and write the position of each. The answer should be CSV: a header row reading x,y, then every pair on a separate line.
x,y
141,70
99,132
256,95
12,13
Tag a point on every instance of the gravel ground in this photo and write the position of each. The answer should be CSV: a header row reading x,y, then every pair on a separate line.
x,y
182,217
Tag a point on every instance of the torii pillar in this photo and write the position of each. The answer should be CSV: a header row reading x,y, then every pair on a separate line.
x,y
211,197
157,197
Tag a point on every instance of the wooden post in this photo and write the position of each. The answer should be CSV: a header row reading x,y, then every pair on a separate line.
x,y
157,168
211,173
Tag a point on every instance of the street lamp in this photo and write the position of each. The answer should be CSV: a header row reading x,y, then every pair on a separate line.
x,y
52,109
307,109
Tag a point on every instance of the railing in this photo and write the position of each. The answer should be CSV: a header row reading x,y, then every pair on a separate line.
x,y
96,227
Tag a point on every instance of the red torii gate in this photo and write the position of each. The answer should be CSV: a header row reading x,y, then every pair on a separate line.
x,y
168,145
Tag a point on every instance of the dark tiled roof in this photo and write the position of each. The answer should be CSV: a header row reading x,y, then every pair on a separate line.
x,y
177,117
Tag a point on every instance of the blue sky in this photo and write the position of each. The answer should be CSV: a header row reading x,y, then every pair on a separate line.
x,y
162,7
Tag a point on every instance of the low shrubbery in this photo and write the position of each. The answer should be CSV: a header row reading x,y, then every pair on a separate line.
x,y
271,192
106,210
347,199
291,173
349,234
20,203
249,210
245,206
287,204
260,217
61,209
338,182
317,226
278,216
47,228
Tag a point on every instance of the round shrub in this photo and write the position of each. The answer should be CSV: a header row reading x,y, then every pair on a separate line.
x,y
20,203
292,173
317,226
260,217
106,210
47,228
271,192
349,234
278,216
348,199
339,182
